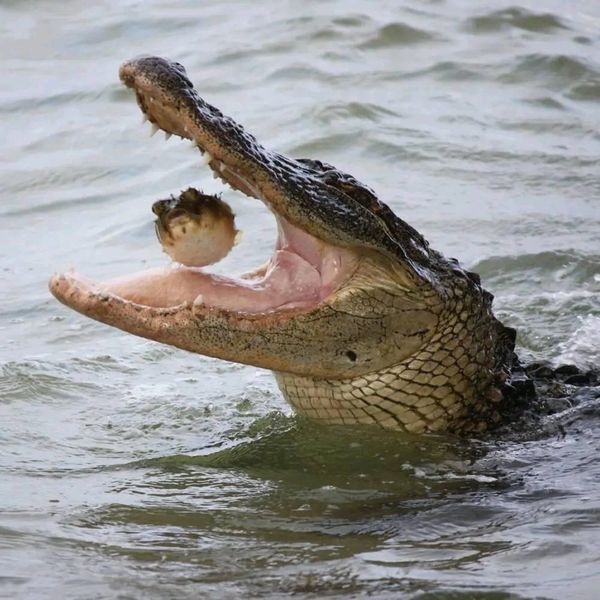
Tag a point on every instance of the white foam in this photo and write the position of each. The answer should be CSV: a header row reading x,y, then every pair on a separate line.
x,y
583,346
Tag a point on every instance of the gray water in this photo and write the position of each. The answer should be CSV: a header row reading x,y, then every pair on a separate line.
x,y
134,470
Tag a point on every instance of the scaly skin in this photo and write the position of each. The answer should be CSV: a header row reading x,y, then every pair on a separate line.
x,y
450,384
406,339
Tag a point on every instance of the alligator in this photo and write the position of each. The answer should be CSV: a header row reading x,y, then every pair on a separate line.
x,y
361,321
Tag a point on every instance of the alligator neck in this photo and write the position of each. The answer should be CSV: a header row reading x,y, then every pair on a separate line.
x,y
443,387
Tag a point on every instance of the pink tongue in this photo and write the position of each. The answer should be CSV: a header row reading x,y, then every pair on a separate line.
x,y
289,281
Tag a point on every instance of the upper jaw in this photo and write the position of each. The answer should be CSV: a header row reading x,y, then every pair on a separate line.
x,y
168,100
294,190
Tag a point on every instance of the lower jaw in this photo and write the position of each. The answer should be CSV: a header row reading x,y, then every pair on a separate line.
x,y
288,282
300,275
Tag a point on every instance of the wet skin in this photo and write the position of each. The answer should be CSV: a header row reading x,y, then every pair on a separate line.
x,y
361,321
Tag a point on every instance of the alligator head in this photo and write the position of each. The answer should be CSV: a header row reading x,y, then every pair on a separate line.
x,y
360,319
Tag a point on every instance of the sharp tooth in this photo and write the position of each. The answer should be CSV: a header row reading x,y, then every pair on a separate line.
x,y
221,166
206,158
154,129
167,135
215,176
199,300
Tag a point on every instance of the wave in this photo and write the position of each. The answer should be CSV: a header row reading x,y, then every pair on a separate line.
x,y
397,34
361,111
37,380
514,18
555,71
583,345
567,262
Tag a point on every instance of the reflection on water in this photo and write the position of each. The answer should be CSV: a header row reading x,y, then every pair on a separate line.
x,y
133,470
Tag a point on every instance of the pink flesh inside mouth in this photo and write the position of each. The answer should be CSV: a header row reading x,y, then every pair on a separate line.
x,y
300,275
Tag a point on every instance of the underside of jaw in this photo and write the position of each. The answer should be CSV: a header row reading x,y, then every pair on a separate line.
x,y
302,272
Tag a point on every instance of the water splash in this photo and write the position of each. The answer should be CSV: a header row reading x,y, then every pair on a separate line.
x,y
582,348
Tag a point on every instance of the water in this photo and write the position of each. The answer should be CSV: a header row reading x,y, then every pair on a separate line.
x,y
132,470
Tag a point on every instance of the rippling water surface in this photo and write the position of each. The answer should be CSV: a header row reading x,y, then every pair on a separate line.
x,y
133,470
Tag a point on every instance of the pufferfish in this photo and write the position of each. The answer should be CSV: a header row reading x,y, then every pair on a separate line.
x,y
195,229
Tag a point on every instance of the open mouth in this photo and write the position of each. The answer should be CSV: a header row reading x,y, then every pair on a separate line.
x,y
303,270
